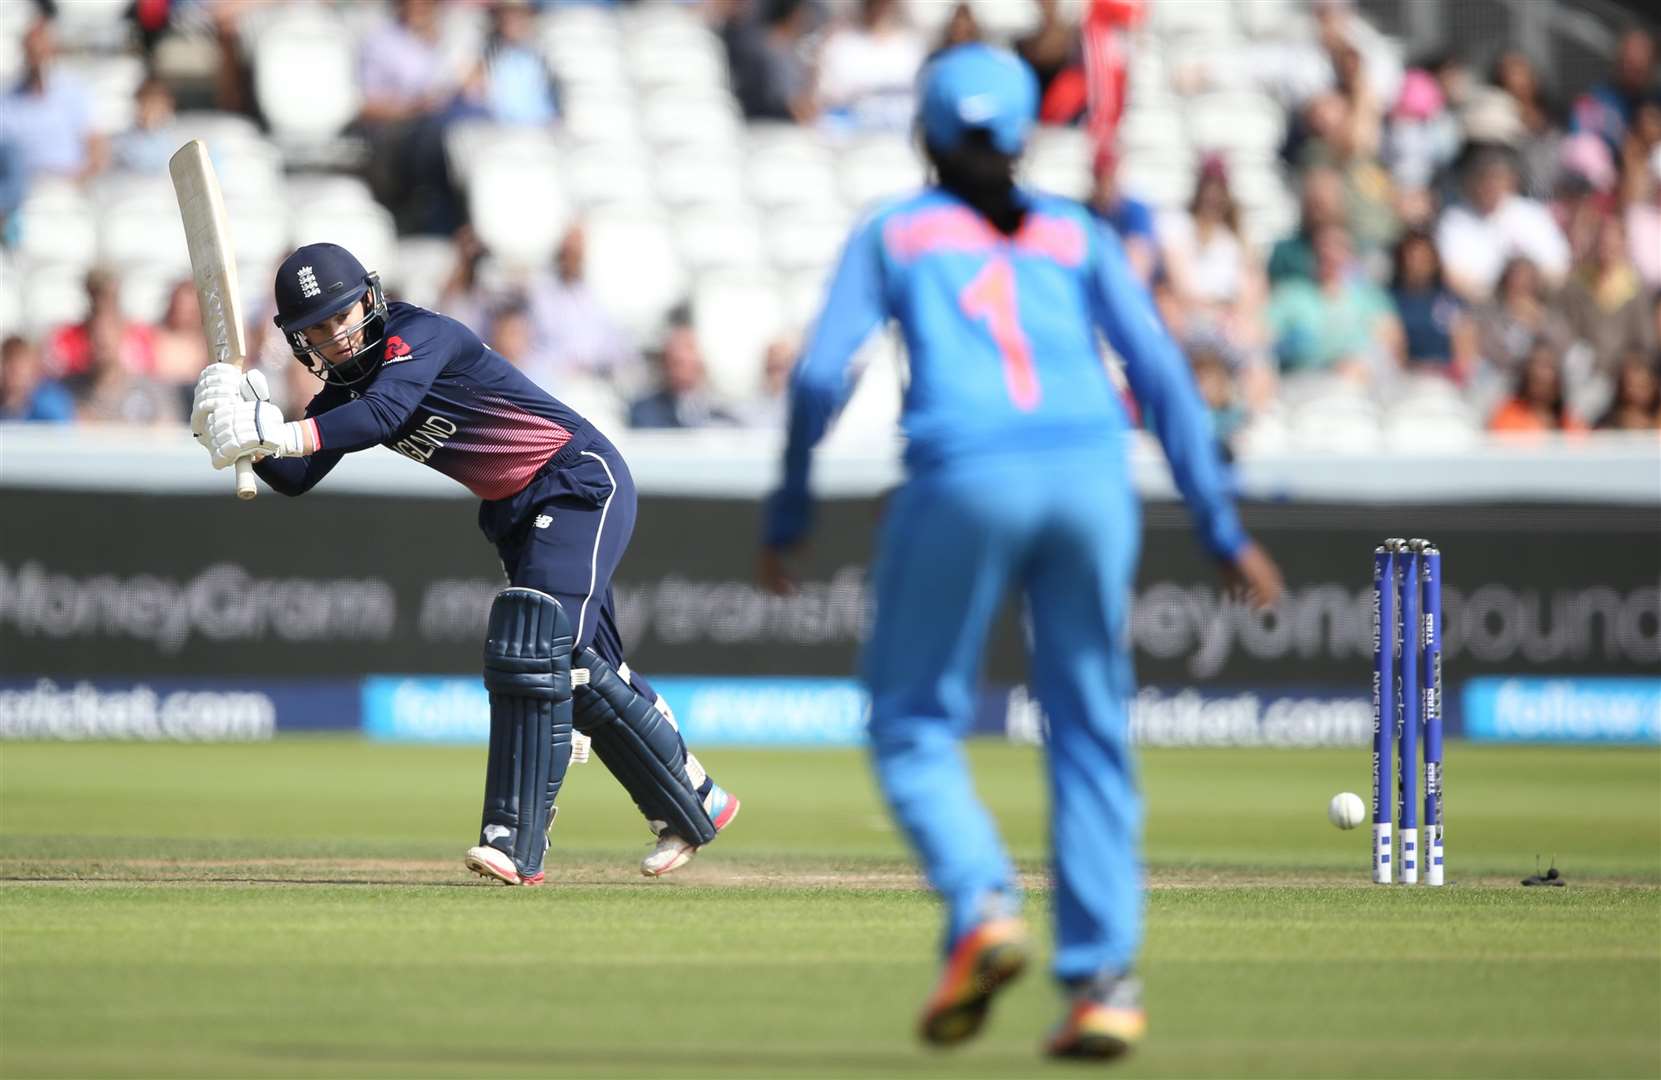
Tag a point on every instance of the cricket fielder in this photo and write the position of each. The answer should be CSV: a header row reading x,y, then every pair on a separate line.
x,y
1016,477
559,505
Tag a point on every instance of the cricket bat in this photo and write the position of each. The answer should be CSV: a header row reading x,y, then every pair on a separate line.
x,y
213,269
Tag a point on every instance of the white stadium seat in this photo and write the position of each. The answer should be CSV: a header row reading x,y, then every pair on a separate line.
x,y
634,268
11,297
423,265
332,191
55,235
609,174
696,175
719,238
804,298
595,117
366,232
736,318
110,82
1207,19
798,240
143,230
145,290
793,174
670,117
259,229
52,296
879,168
305,76
516,202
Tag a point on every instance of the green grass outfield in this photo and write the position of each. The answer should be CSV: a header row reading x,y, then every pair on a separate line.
x,y
299,908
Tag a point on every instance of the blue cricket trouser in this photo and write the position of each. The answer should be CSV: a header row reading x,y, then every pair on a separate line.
x,y
1063,527
566,540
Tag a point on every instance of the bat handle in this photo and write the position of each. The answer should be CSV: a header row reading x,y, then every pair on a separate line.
x,y
245,488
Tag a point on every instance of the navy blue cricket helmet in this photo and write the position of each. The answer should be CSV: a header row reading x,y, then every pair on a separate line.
x,y
317,282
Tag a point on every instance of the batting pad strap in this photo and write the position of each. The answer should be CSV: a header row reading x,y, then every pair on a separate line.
x,y
641,748
527,670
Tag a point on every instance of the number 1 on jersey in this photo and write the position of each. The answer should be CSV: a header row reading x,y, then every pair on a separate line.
x,y
991,296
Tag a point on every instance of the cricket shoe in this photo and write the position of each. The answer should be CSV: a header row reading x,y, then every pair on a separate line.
x,y
1105,1021
487,862
672,852
983,962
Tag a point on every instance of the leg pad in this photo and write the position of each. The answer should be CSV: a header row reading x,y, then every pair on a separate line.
x,y
527,670
640,747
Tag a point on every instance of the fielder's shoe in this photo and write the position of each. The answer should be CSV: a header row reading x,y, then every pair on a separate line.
x,y
487,862
1105,1021
984,961
672,852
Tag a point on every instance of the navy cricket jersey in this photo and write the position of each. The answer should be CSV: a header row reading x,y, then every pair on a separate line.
x,y
444,398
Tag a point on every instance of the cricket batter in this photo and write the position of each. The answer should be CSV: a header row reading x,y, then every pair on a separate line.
x,y
1016,477
559,505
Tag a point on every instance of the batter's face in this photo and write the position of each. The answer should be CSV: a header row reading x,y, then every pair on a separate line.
x,y
330,336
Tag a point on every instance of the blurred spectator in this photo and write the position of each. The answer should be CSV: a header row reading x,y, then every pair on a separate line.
x,y
1322,205
47,115
1340,138
1423,136
181,351
463,296
1538,148
683,398
770,75
1636,405
14,185
70,349
1340,323
1604,301
769,409
1129,217
1607,109
573,333
1437,332
410,93
1509,325
1214,377
961,29
1477,236
1214,277
1642,195
1583,195
109,389
25,391
511,332
1051,47
868,69
517,85
147,146
1538,402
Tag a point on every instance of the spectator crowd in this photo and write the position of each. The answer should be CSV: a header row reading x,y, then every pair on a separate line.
x,y
1474,238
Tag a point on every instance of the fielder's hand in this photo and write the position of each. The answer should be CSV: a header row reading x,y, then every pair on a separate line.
x,y
1254,576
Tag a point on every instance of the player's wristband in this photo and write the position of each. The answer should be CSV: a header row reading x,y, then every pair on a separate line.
x,y
301,438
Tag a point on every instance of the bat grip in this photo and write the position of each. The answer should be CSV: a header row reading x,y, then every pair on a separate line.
x,y
245,488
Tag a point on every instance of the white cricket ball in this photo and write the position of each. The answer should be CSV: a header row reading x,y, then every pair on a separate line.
x,y
1346,810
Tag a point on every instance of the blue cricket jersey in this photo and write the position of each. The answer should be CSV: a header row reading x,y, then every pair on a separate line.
x,y
444,398
1001,335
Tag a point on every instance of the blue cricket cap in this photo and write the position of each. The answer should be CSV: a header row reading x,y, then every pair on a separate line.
x,y
977,86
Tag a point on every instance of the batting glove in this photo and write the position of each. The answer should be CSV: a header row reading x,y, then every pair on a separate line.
x,y
219,384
